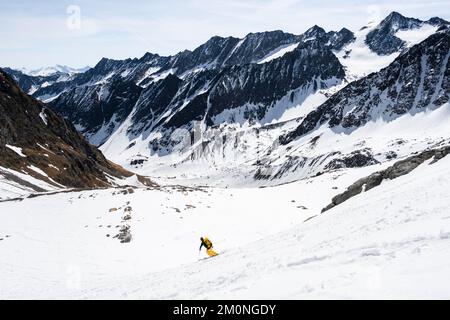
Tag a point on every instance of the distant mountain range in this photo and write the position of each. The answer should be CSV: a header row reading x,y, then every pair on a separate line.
x,y
48,71
247,104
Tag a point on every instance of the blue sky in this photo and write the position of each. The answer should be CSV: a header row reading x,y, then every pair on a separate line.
x,y
79,33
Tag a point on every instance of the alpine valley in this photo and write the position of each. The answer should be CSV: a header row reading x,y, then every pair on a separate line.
x,y
317,164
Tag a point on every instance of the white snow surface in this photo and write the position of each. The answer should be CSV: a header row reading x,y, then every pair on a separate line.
x,y
278,52
43,116
17,150
390,242
37,170
359,60
415,36
12,189
47,71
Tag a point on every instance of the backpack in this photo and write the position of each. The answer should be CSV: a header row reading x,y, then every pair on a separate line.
x,y
207,243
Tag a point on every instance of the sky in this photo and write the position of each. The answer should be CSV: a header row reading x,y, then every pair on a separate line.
x,y
79,33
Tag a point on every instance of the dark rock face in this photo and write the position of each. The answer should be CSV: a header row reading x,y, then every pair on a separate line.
x,y
263,84
383,41
97,106
333,40
153,102
417,79
105,72
100,99
48,142
128,69
256,46
339,39
244,92
400,168
220,52
391,155
356,159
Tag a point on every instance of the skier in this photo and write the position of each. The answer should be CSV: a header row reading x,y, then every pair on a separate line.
x,y
208,245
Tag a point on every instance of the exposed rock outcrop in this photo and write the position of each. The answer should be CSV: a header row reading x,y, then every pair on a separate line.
x,y
398,169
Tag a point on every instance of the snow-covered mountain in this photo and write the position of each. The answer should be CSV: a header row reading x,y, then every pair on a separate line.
x,y
235,142
376,45
32,80
252,61
415,81
48,71
235,100
389,37
371,118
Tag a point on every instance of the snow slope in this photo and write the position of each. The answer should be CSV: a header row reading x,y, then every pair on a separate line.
x,y
390,242
52,235
359,60
16,184
228,155
414,36
279,52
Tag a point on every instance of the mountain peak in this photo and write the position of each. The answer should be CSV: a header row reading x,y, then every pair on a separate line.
x,y
149,56
264,34
344,30
315,30
397,21
383,40
436,21
394,15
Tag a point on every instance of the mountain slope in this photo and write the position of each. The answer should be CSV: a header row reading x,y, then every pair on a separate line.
x,y
416,80
367,122
386,243
377,45
389,242
38,144
250,93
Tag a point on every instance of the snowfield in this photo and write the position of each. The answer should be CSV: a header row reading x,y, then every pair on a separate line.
x,y
279,52
390,242
359,60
